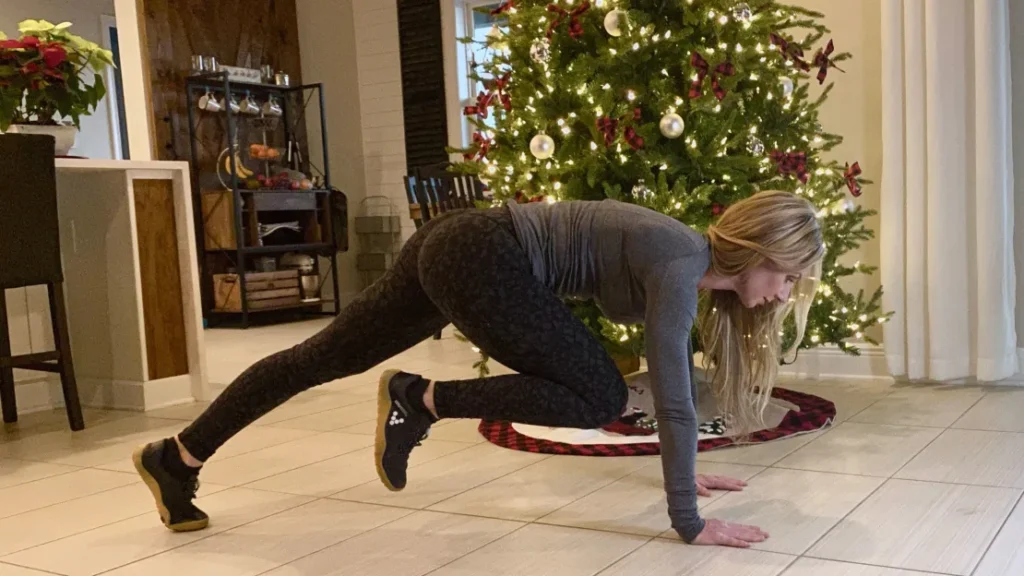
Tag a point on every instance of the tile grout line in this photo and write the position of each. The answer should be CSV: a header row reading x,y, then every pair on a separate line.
x,y
880,486
5,563
869,565
562,507
65,473
208,536
1002,526
936,439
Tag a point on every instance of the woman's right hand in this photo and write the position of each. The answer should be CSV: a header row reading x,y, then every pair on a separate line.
x,y
719,533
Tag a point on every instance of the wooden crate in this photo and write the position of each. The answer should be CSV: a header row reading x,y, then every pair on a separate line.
x,y
264,290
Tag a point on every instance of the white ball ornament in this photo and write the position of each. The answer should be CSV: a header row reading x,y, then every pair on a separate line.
x,y
787,86
672,125
614,22
542,146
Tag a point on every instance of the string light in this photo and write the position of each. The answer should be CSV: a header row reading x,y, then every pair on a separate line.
x,y
593,145
631,95
724,19
636,46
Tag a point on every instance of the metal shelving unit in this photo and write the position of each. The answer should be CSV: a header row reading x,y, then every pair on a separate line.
x,y
253,206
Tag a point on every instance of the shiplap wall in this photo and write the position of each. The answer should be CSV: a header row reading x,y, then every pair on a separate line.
x,y
380,101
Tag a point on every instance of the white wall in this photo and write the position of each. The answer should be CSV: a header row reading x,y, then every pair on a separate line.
x,y
95,139
854,111
352,47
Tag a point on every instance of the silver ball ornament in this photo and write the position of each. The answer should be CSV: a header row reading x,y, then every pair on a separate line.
x,y
672,125
540,50
787,86
742,12
755,146
641,191
542,146
614,22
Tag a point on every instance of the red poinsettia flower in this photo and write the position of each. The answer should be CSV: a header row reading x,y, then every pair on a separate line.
x,y
12,45
54,55
30,41
30,68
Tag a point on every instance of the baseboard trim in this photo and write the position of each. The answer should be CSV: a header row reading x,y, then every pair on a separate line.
x,y
37,395
831,362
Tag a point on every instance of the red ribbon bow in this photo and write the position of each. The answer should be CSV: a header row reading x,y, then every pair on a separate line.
x,y
636,141
852,172
504,7
792,164
499,88
703,69
609,127
482,146
483,102
823,62
790,51
522,198
575,26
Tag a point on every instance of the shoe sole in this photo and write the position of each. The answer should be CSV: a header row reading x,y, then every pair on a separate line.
x,y
154,488
383,411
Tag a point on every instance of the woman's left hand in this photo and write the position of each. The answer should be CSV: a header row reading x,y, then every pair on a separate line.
x,y
706,483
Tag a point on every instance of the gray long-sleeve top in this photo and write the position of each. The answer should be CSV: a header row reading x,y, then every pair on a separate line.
x,y
639,266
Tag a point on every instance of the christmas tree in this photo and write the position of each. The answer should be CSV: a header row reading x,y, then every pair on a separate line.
x,y
682,106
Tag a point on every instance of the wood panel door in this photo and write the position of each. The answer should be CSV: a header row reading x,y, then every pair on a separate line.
x,y
248,33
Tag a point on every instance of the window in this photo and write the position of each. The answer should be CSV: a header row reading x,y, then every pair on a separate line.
x,y
476,23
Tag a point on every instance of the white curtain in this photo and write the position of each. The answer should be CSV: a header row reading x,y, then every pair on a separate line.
x,y
947,190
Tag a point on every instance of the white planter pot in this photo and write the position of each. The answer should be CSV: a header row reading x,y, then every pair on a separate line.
x,y
64,135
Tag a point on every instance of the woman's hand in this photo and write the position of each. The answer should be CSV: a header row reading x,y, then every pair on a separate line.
x,y
706,483
719,533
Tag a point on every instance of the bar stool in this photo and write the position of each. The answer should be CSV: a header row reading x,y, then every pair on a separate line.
x,y
30,256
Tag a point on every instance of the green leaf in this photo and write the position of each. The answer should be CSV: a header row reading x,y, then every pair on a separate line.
x,y
31,27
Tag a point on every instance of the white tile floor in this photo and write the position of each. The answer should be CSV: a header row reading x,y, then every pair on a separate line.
x,y
911,481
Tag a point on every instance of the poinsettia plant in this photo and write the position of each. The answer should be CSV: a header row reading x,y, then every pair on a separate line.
x,y
43,75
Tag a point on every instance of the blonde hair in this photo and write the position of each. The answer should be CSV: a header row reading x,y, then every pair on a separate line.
x,y
743,346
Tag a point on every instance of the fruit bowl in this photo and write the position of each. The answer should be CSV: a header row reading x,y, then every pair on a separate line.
x,y
264,153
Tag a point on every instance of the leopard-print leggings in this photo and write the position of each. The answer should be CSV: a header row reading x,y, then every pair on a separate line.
x,y
466,268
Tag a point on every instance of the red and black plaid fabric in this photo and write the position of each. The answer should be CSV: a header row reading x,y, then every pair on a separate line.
x,y
812,413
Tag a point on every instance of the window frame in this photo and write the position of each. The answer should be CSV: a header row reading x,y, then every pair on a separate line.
x,y
467,89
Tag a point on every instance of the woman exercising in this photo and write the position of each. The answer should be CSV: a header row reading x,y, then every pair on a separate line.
x,y
498,276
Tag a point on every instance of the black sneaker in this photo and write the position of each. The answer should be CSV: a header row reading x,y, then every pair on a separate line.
x,y
173,496
400,428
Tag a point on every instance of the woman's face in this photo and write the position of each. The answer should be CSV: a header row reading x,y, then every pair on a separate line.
x,y
766,285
